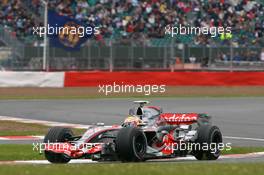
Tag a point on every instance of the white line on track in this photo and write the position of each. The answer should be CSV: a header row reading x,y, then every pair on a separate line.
x,y
21,138
43,122
80,161
244,138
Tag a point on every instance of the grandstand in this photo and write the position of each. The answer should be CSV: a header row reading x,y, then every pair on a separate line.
x,y
133,37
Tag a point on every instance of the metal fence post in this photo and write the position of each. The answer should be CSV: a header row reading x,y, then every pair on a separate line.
x,y
111,57
89,56
210,56
231,57
165,55
132,56
45,66
172,49
183,54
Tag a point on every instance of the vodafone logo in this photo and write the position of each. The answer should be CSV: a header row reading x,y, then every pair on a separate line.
x,y
180,117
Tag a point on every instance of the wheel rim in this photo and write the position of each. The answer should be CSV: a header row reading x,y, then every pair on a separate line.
x,y
66,136
216,139
139,145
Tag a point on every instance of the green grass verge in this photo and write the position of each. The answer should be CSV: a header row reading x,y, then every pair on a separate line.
x,y
93,92
25,152
243,150
12,128
19,152
201,168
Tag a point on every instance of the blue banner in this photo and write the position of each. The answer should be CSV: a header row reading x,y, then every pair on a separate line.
x,y
66,32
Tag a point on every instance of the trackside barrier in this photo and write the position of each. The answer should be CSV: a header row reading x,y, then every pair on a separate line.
x,y
86,79
92,79
31,79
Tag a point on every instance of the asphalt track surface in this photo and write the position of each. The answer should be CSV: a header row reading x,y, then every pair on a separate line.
x,y
236,117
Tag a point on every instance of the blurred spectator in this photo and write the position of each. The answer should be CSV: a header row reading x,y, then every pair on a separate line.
x,y
16,18
237,57
262,55
192,59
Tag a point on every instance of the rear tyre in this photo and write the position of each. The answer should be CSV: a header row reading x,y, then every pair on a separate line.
x,y
131,144
57,134
212,137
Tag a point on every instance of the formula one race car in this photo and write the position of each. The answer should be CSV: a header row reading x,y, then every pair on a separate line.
x,y
147,133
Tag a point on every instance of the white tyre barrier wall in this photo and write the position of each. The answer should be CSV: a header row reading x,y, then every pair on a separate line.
x,y
31,79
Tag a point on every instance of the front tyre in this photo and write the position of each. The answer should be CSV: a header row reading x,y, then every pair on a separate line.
x,y
209,137
57,134
131,144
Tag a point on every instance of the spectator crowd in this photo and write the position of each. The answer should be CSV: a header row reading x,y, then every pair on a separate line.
x,y
142,20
